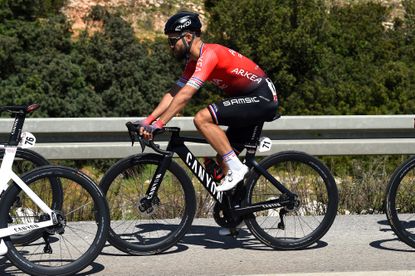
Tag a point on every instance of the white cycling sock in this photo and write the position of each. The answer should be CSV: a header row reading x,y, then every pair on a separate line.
x,y
232,161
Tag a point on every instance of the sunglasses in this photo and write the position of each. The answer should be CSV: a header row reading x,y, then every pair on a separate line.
x,y
173,39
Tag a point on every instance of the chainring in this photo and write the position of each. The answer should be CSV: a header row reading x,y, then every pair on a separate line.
x,y
223,219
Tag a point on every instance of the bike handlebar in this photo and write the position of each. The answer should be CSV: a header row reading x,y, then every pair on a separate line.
x,y
133,131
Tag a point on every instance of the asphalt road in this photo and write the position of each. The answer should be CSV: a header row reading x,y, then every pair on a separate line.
x,y
355,245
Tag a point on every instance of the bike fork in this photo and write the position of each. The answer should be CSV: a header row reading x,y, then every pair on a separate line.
x,y
146,203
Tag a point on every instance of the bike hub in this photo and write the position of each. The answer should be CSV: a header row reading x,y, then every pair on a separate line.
x,y
59,221
146,205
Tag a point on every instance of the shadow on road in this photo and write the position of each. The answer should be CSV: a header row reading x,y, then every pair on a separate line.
x,y
6,268
199,235
209,238
390,244
380,244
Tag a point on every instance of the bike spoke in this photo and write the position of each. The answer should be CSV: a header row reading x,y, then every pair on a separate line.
x,y
291,225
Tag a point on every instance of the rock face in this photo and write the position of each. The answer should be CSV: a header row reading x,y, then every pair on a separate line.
x,y
147,17
76,10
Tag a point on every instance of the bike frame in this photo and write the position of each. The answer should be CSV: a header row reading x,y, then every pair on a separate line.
x,y
7,174
177,145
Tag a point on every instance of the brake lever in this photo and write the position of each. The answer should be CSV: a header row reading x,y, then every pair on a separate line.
x,y
142,144
132,137
132,131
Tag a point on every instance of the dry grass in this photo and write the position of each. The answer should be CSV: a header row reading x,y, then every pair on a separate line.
x,y
361,181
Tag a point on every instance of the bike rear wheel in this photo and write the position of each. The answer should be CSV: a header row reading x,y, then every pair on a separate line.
x,y
25,161
400,203
80,234
161,225
304,224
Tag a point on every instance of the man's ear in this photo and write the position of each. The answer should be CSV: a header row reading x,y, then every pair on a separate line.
x,y
188,37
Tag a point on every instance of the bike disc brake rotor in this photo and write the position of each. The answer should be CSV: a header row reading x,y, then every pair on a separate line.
x,y
148,206
294,205
223,219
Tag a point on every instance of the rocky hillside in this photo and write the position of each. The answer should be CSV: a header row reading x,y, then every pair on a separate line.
x,y
148,16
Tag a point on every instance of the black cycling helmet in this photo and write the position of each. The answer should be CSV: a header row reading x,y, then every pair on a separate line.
x,y
183,21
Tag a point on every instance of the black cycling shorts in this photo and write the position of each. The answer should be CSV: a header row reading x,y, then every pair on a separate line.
x,y
243,113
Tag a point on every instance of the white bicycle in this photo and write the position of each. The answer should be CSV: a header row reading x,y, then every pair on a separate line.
x,y
53,220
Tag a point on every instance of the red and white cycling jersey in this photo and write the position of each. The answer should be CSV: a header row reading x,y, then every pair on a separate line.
x,y
232,72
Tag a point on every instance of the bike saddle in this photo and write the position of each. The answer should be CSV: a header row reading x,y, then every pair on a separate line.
x,y
20,108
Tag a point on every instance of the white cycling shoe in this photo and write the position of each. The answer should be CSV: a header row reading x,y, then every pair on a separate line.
x,y
232,179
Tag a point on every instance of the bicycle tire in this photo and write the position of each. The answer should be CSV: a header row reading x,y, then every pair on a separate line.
x,y
25,161
76,240
34,158
140,233
399,202
317,192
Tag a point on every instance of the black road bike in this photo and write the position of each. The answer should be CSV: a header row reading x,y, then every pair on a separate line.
x,y
400,202
288,200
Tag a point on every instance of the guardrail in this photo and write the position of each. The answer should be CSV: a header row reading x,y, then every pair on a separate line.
x,y
102,138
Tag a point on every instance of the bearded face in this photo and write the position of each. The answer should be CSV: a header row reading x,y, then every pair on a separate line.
x,y
177,46
179,53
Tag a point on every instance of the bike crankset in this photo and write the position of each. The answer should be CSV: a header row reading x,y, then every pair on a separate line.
x,y
223,218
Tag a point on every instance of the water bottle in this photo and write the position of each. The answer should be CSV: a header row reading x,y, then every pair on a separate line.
x,y
213,168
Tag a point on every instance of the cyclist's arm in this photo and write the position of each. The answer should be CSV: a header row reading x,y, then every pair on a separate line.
x,y
178,102
165,101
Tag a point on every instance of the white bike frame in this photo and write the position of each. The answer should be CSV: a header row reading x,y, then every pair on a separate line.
x,y
7,174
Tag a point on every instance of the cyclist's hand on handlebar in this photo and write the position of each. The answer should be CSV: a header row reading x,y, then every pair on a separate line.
x,y
139,124
144,122
147,131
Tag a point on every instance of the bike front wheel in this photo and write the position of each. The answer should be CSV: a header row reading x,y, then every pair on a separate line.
x,y
140,226
400,202
80,231
298,225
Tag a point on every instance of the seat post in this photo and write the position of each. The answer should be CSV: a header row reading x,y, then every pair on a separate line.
x,y
17,127
256,134
251,147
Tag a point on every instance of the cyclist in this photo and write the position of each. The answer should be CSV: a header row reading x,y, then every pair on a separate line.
x,y
252,95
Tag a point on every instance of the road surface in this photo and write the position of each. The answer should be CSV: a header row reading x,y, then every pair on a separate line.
x,y
355,245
